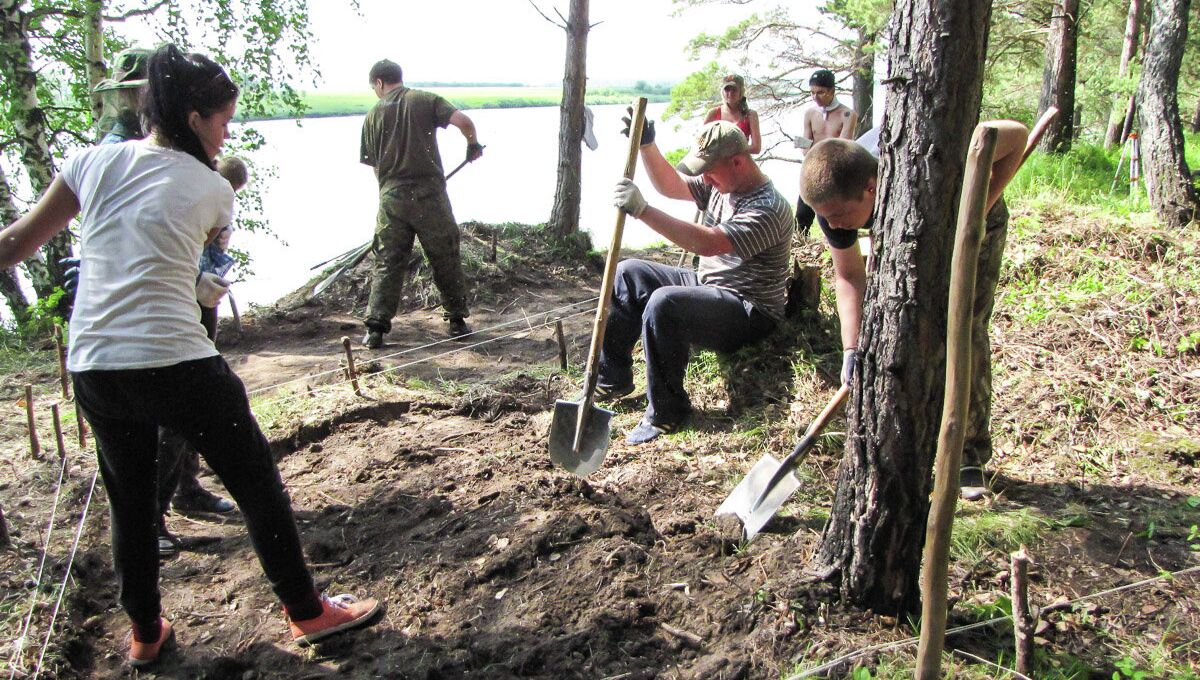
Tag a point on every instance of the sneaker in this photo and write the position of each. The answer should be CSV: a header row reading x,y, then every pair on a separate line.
x,y
612,393
200,499
341,613
972,482
646,431
168,544
459,328
373,340
143,654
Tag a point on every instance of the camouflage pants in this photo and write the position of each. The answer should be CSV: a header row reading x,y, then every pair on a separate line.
x,y
408,212
977,448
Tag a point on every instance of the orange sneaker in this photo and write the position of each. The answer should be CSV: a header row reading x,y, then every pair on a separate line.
x,y
146,653
343,612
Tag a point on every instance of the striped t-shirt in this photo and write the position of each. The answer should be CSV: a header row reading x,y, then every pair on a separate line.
x,y
759,223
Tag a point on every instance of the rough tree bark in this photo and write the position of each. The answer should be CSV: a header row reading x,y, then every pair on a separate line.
x,y
864,80
29,126
873,540
10,288
1058,78
1133,23
93,53
1168,181
564,216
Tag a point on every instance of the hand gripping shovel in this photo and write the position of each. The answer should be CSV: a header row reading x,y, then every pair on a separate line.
x,y
759,495
580,430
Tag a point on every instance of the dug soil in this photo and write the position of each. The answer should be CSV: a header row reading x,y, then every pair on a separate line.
x,y
432,490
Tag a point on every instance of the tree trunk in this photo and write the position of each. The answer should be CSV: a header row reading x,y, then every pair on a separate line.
x,y
1058,78
1133,22
564,216
93,53
873,540
864,80
1168,181
1196,117
9,286
29,127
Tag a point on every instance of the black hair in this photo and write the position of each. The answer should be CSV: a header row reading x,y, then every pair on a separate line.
x,y
386,70
179,84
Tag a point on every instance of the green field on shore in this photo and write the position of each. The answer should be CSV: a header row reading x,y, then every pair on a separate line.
x,y
323,104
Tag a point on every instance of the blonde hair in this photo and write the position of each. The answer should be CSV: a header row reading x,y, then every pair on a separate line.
x,y
234,170
836,170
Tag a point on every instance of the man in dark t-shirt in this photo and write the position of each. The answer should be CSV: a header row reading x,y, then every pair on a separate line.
x,y
735,298
399,140
839,181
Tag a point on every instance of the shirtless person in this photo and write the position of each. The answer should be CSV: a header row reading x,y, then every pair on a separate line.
x,y
828,118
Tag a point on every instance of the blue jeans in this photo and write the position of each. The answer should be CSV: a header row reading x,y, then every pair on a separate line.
x,y
671,311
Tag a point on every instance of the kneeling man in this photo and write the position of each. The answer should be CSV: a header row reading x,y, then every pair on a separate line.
x,y
736,297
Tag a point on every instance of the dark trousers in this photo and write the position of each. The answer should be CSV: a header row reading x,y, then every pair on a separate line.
x,y
671,311
205,402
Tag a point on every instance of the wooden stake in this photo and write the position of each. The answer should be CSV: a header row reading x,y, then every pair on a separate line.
x,y
562,345
62,362
35,447
350,365
82,426
58,433
1023,621
963,269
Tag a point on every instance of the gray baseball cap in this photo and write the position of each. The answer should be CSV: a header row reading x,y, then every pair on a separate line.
x,y
717,141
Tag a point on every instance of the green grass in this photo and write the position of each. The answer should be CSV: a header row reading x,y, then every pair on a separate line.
x,y
323,104
976,536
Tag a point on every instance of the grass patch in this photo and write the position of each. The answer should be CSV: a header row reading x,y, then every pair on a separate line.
x,y
977,536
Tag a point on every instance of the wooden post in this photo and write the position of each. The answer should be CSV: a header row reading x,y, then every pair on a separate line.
x,y
963,268
35,447
58,433
350,365
1023,621
62,362
81,424
562,345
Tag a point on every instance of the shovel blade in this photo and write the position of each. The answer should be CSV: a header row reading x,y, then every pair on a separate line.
x,y
744,495
592,446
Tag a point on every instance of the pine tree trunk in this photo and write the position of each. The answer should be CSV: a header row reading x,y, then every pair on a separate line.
x,y
1058,78
864,81
564,216
873,540
1168,181
1133,22
1196,117
29,127
93,48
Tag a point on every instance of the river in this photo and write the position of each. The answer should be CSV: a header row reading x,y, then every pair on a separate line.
x,y
322,201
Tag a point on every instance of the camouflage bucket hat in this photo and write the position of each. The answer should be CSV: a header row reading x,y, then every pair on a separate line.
x,y
717,141
129,70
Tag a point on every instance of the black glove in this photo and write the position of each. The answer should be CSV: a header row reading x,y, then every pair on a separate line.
x,y
849,363
70,274
474,151
647,128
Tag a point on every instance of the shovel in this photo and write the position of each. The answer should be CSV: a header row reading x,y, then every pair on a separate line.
x,y
769,484
579,432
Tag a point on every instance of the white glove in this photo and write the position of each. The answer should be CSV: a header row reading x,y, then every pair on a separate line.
x,y
627,197
801,142
210,289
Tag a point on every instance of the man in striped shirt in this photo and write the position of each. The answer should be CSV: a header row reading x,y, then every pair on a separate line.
x,y
736,297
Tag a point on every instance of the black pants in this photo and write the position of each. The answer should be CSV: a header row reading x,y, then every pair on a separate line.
x,y
671,311
205,402
178,462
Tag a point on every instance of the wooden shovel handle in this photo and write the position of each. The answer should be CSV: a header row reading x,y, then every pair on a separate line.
x,y
1039,129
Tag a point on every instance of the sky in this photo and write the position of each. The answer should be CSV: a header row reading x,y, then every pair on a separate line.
x,y
507,40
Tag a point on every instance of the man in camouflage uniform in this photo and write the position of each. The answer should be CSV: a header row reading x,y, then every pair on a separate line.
x,y
399,140
839,181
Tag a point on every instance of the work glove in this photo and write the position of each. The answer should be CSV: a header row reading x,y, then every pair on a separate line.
x,y
628,197
801,142
210,288
70,274
647,128
474,151
849,363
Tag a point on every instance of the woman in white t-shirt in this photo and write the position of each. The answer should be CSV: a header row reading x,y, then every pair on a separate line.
x,y
139,357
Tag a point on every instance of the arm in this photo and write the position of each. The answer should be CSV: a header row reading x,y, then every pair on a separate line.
x,y
467,127
695,238
713,114
51,215
849,287
755,137
1010,146
808,128
849,126
664,178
